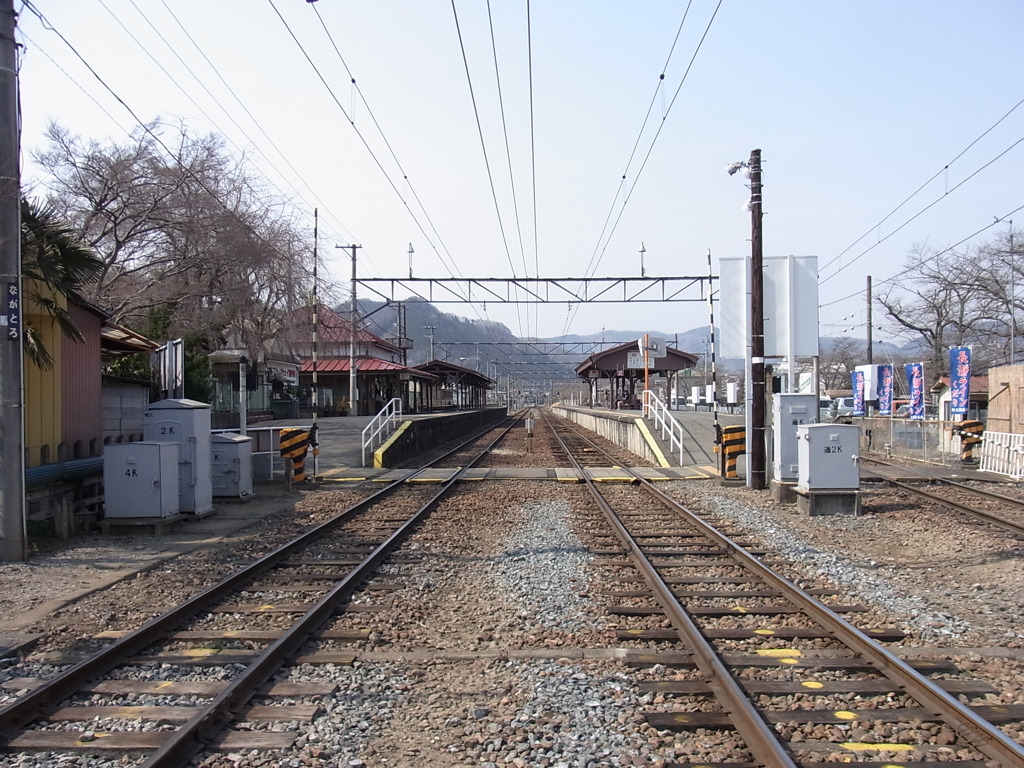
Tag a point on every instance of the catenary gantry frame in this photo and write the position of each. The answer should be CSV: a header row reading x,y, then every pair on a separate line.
x,y
539,290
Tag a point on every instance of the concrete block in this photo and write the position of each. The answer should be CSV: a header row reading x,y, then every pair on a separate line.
x,y
828,502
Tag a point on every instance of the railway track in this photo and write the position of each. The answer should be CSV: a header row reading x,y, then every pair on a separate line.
x,y
318,572
996,509
756,639
515,614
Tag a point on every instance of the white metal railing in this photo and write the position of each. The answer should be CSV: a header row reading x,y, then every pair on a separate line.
x,y
1003,452
381,426
661,416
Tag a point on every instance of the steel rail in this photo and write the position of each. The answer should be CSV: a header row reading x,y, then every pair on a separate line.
x,y
762,742
212,718
982,734
29,707
978,514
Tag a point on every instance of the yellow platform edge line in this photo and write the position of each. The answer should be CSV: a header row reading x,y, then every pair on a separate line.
x,y
649,439
378,455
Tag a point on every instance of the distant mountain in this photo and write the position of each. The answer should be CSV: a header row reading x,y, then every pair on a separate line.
x,y
471,343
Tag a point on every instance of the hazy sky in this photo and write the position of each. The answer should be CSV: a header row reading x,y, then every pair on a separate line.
x,y
855,106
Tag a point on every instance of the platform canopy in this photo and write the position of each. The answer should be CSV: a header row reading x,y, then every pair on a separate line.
x,y
614,363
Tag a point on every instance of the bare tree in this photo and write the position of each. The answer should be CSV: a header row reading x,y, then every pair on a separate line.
x,y
182,226
946,301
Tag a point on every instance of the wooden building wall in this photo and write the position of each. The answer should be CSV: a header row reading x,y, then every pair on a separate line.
x,y
1006,399
63,406
82,388
42,399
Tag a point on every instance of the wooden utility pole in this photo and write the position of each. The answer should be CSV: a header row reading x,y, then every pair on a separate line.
x,y
12,452
758,475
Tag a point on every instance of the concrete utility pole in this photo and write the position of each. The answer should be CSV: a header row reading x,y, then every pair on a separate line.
x,y
353,408
12,452
431,328
871,345
758,475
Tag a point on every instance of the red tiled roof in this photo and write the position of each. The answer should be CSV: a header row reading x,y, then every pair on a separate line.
x,y
330,326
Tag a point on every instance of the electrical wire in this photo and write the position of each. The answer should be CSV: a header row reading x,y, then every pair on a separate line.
x,y
145,127
913,194
453,270
533,158
77,84
259,126
911,270
930,205
487,162
599,251
508,152
359,133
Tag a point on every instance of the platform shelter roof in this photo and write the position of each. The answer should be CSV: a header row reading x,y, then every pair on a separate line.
x,y
613,363
456,374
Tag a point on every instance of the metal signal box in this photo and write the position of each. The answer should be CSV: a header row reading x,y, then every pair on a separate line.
x,y
828,457
232,465
140,479
790,411
186,422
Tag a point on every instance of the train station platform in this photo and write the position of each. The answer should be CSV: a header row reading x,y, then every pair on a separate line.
x,y
341,455
341,437
628,429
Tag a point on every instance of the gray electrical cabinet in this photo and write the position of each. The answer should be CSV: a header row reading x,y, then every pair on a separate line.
x,y
828,456
186,422
140,479
231,471
790,410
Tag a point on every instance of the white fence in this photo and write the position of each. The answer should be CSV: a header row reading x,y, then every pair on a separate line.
x,y
1003,453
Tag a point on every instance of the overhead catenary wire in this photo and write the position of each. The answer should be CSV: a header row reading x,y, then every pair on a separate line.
x,y
451,266
599,250
487,162
257,123
359,134
145,127
917,191
453,269
198,106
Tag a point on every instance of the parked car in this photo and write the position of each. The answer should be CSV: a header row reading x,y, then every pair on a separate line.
x,y
841,410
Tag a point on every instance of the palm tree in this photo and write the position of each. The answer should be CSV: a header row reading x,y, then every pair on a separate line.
x,y
59,265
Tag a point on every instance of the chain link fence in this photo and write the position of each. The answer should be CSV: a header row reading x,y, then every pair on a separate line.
x,y
929,440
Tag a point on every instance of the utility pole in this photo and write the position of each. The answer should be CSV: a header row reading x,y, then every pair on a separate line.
x,y
352,409
758,475
870,340
314,400
12,430
431,328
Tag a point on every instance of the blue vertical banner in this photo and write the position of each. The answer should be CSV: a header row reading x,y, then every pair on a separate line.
x,y
915,385
857,379
885,381
959,380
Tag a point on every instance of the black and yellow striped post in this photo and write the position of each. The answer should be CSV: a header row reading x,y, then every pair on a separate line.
x,y
734,442
294,443
970,431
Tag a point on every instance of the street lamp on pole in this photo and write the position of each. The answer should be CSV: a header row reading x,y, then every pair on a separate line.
x,y
756,475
